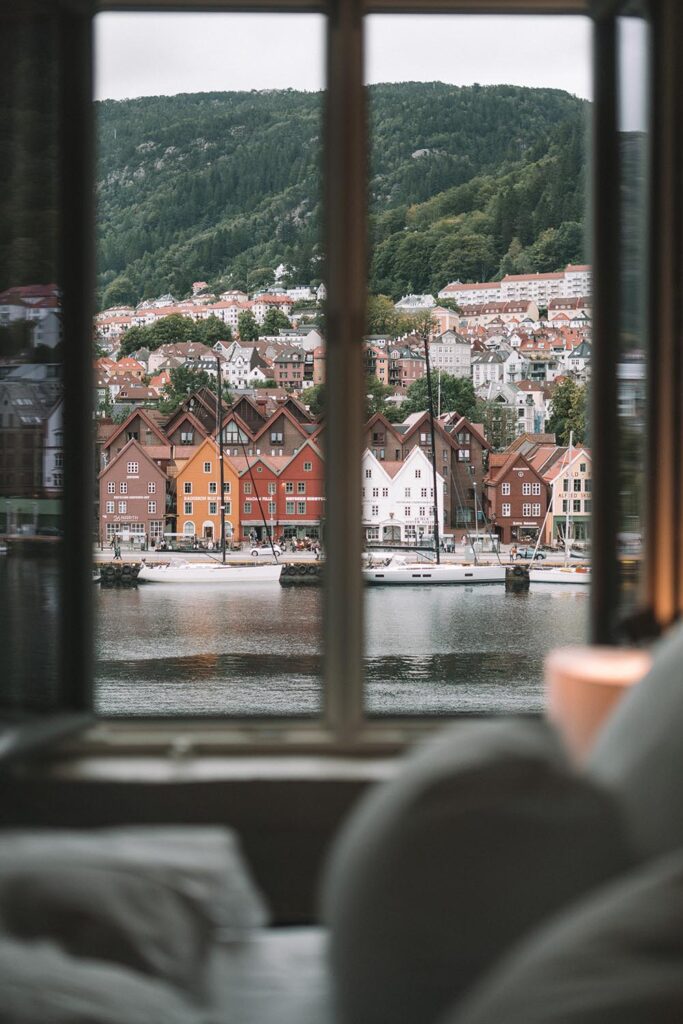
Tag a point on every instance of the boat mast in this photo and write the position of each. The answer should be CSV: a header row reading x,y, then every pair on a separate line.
x,y
430,398
569,498
219,432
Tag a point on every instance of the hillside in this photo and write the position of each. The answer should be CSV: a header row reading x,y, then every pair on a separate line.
x,y
223,187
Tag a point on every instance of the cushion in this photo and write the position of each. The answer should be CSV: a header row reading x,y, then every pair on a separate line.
x,y
484,833
153,899
639,754
616,958
40,984
105,914
203,864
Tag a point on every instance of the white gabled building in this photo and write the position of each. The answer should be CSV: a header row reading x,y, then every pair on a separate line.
x,y
451,353
398,499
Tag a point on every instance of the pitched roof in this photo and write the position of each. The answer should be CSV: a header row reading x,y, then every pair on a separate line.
x,y
142,413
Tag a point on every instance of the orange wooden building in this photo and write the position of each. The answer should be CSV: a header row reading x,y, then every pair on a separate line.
x,y
198,495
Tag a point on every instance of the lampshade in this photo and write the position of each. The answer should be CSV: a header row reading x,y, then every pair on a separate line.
x,y
583,685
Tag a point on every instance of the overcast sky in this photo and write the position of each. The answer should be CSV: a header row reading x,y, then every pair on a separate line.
x,y
152,54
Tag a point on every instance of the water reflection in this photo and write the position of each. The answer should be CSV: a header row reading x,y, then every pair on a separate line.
x,y
178,650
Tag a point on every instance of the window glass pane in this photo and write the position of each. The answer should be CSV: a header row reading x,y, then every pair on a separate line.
x,y
31,429
210,329
479,287
632,54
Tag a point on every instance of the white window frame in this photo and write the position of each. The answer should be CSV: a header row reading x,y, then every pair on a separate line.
x,y
506,510
505,488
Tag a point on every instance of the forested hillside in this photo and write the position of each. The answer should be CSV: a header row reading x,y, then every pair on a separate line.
x,y
465,183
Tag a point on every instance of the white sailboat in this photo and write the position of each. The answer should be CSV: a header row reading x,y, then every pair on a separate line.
x,y
209,572
578,575
401,570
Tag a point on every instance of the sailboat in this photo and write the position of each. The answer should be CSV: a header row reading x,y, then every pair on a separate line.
x,y
562,574
402,570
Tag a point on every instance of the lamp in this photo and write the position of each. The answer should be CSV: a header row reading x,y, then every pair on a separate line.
x,y
584,684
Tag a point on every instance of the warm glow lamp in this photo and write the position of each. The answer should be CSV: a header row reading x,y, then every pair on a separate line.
x,y
584,684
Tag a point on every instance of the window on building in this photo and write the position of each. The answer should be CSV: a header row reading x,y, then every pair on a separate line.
x,y
247,508
577,485
123,487
301,487
151,487
536,509
526,489
368,474
385,492
187,508
111,487
506,510
187,487
418,474
187,436
577,505
213,508
276,437
301,508
289,487
133,468
272,487
289,508
247,487
123,507
151,507
505,488
526,509
536,488
374,512
207,467
213,487
110,507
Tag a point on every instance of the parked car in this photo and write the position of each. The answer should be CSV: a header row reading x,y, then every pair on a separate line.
x,y
528,553
266,550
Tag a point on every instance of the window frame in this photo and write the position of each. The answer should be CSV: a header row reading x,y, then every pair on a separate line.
x,y
342,725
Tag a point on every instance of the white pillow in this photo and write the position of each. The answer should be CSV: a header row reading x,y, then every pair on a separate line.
x,y
203,864
40,984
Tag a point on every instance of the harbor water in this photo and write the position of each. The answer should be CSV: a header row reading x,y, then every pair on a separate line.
x,y
257,650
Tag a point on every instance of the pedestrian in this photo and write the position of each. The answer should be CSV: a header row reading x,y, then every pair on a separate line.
x,y
513,551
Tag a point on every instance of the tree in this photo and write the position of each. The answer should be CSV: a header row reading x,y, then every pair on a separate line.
x,y
106,407
315,399
457,395
383,318
499,421
568,414
273,322
376,395
212,330
119,293
247,328
184,380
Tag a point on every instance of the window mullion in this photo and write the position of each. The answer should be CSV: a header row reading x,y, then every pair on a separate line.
x,y
346,234
606,262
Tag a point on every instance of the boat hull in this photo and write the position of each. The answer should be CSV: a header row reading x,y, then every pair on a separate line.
x,y
431,575
203,573
561,576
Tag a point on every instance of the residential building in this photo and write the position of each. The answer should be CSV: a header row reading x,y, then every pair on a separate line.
x,y
133,493
450,353
398,499
515,497
198,494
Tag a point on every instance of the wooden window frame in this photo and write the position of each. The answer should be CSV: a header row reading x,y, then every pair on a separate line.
x,y
342,725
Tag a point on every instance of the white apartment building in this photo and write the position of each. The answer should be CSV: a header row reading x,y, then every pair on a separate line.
x,y
451,353
398,499
472,294
504,367
573,281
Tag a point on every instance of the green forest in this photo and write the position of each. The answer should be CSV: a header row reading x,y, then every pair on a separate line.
x,y
467,183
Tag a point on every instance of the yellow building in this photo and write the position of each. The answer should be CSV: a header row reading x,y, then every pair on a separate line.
x,y
198,495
